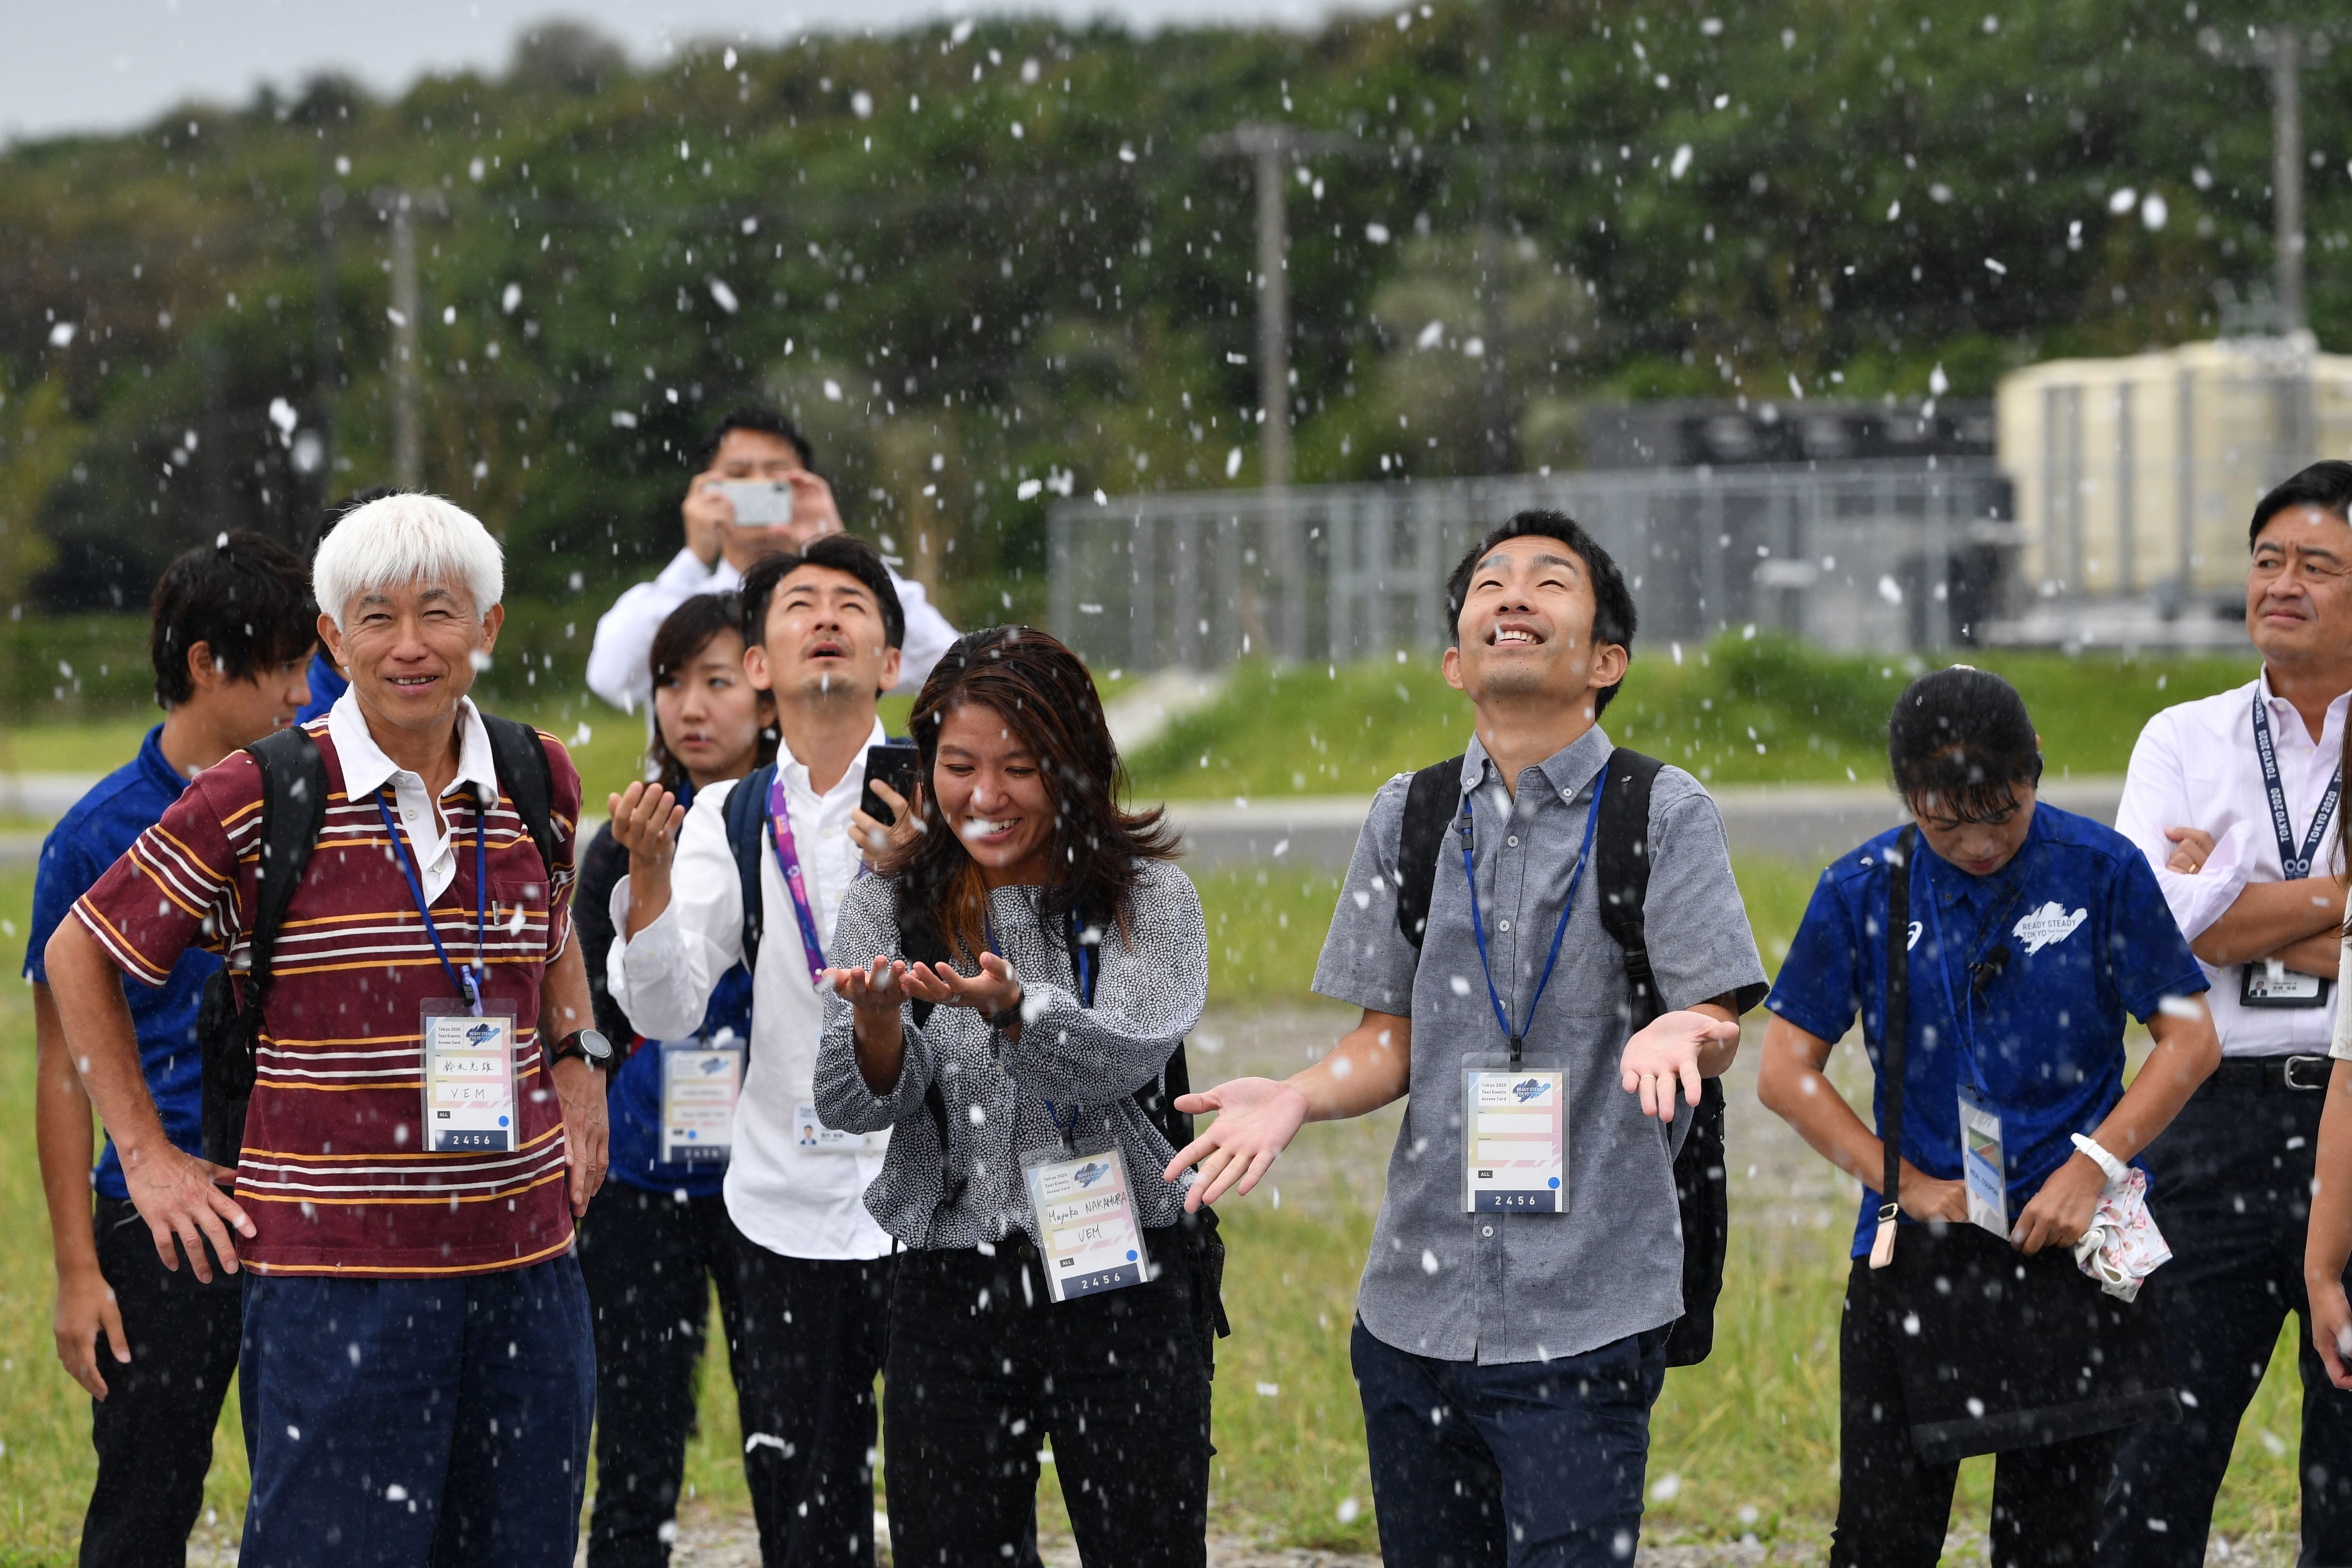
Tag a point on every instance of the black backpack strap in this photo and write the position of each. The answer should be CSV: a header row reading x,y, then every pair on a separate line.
x,y
1893,1043
294,789
1430,801
747,839
1621,872
519,755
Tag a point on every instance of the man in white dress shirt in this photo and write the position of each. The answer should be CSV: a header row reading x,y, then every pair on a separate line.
x,y
751,443
821,631
2233,799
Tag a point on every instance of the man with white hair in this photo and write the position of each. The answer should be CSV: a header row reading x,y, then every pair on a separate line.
x,y
417,1378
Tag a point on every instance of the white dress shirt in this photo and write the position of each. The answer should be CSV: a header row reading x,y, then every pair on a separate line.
x,y
366,768
620,660
2196,767
798,1202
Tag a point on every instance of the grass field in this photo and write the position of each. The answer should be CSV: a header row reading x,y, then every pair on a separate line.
x,y
1748,1439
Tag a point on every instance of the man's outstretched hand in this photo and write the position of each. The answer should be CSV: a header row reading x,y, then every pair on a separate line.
x,y
1256,1119
1667,1050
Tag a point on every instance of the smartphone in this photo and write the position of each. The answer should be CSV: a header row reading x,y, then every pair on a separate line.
x,y
758,503
896,765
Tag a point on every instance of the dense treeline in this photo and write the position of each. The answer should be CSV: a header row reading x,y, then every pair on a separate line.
x,y
995,262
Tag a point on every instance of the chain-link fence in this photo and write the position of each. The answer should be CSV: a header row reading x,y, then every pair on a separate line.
x,y
1886,556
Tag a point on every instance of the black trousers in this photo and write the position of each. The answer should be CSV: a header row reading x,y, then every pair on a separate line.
x,y
985,1368
806,1351
649,1260
1894,1506
153,1430
2231,1193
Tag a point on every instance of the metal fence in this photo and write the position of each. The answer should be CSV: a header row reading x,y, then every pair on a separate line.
x,y
1886,556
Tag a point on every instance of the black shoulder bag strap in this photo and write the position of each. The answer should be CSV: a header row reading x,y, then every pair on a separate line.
x,y
294,791
747,839
519,757
1892,1043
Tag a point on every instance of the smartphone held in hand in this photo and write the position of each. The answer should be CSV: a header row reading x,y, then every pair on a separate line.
x,y
757,502
896,765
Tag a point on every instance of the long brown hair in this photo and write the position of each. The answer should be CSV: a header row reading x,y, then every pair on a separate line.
x,y
1045,696
685,632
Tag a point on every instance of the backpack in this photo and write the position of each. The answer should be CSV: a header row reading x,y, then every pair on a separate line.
x,y
1621,873
747,839
294,789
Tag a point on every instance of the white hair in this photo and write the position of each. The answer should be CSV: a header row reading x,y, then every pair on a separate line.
x,y
401,539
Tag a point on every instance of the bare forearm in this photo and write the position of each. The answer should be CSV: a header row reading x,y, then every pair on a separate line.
x,y
1793,1087
1370,1067
2328,1243
2320,954
2186,1051
2269,915
1715,1056
565,1003
101,1043
62,1137
881,1046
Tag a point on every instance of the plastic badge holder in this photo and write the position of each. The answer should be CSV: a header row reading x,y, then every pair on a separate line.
x,y
1981,1165
469,1079
699,1082
1514,1136
1086,1212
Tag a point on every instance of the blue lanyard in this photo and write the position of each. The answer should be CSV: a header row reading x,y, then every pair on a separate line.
x,y
1478,925
469,982
1965,1014
2293,866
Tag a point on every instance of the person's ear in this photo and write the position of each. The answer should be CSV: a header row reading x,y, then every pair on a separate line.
x,y
756,670
1453,667
204,672
1609,662
331,637
491,624
892,658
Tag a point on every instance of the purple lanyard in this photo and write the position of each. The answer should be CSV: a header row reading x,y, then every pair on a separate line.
x,y
788,861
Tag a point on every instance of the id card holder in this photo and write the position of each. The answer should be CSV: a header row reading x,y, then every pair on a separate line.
x,y
469,1079
1086,1212
1982,1166
699,1081
2268,983
1514,1137
812,1137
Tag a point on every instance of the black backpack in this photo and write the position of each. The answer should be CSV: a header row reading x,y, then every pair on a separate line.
x,y
747,839
294,791
1621,873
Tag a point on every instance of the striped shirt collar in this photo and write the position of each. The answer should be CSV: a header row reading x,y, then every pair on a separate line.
x,y
367,769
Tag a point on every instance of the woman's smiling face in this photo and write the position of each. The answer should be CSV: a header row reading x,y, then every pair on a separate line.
x,y
990,790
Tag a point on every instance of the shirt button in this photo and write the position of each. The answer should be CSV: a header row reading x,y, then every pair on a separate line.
x,y
1486,1230
1502,925
1513,841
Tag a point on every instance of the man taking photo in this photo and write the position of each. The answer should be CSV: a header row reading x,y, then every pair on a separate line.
x,y
1528,1266
753,442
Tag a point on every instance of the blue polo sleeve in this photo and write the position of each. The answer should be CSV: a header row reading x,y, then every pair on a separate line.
x,y
1818,987
2147,957
67,871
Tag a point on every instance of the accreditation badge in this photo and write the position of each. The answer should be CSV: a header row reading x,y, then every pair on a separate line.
x,y
469,1079
2267,983
813,1138
1514,1138
699,1082
1981,1165
1086,1212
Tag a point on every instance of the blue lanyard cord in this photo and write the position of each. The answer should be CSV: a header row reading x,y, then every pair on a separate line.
x,y
1478,925
468,982
1964,1015
1069,1129
2293,867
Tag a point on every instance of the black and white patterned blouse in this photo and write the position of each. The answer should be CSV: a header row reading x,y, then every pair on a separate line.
x,y
1089,1062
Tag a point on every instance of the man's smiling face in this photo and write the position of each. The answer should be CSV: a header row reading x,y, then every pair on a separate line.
x,y
409,649
1526,626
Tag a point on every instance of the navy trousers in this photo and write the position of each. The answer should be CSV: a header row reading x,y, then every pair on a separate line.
x,y
1537,1464
397,1423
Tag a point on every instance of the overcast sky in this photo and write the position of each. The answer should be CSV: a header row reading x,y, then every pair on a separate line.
x,y
106,65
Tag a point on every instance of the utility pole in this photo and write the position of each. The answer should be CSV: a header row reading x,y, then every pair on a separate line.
x,y
407,461
326,350
2283,51
1500,448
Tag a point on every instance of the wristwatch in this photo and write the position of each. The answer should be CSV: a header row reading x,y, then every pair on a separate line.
x,y
589,1045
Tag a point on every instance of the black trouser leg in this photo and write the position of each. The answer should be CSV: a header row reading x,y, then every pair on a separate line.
x,y
153,1431
646,1257
2046,1501
1893,1506
806,1346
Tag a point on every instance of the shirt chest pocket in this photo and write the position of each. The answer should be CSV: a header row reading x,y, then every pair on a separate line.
x,y
517,917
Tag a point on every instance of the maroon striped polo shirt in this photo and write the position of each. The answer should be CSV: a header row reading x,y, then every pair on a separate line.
x,y
333,1172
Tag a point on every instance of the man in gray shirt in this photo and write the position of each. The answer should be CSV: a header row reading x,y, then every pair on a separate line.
x,y
1511,1327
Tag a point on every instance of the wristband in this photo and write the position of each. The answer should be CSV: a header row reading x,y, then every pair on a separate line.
x,y
2111,1168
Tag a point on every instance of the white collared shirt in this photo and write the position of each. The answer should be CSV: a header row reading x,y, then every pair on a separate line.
x,y
366,770
2196,767
800,1202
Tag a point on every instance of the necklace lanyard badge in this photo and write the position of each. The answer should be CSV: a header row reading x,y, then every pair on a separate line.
x,y
2266,982
788,862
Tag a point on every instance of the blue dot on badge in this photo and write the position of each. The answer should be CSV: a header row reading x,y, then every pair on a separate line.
x,y
1130,1256
502,1120
1555,1181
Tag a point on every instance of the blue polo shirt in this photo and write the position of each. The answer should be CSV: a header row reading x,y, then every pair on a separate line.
x,y
326,685
2089,938
87,840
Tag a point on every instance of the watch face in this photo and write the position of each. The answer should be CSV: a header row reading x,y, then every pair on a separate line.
x,y
596,1047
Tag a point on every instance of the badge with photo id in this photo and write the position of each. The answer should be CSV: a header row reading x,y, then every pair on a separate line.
x,y
812,1137
1514,1139
1086,1212
2267,983
699,1081
469,1079
1981,1165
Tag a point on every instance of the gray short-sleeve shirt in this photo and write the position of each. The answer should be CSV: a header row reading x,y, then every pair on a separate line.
x,y
1499,1288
